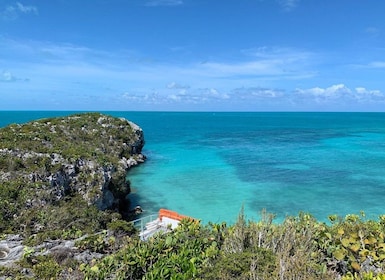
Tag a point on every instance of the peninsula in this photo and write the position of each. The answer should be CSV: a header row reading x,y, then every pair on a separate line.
x,y
64,178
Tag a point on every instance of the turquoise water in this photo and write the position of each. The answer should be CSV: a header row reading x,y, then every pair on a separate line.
x,y
209,165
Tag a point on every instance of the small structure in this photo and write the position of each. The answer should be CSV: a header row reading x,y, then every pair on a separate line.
x,y
166,220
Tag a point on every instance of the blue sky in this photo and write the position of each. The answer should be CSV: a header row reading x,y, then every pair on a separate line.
x,y
192,55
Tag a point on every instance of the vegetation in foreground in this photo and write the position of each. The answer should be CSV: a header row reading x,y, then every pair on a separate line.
x,y
298,248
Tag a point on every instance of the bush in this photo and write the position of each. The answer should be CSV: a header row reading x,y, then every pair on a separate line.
x,y
257,264
121,227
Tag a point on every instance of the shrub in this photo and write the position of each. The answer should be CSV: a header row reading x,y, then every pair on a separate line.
x,y
257,264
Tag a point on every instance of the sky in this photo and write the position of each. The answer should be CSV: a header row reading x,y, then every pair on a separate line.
x,y
192,55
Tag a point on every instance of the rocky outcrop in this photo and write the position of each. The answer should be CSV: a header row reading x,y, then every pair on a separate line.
x,y
87,154
11,250
58,176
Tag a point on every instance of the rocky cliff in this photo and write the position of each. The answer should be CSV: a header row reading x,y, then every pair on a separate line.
x,y
65,177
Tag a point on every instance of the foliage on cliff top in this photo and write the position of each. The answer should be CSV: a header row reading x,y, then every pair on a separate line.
x,y
89,135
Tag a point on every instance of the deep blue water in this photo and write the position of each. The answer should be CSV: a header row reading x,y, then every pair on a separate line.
x,y
209,165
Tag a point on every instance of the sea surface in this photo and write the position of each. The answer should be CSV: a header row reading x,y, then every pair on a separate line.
x,y
210,165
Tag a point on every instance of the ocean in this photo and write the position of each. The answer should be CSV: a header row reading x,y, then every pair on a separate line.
x,y
211,165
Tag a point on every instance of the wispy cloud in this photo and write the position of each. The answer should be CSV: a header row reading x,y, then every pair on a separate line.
x,y
260,63
374,31
12,12
81,75
265,62
277,52
26,9
156,3
288,5
376,64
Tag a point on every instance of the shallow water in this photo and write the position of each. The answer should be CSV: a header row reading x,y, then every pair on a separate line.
x,y
210,165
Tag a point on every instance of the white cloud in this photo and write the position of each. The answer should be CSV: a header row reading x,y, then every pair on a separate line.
x,y
258,93
341,94
317,98
213,93
156,3
362,90
332,92
174,85
12,12
199,96
7,76
174,97
192,96
142,97
364,94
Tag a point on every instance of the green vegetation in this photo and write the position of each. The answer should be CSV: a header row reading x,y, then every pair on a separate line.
x,y
298,248
74,137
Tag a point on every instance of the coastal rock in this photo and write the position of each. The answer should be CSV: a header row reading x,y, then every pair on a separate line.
x,y
75,154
